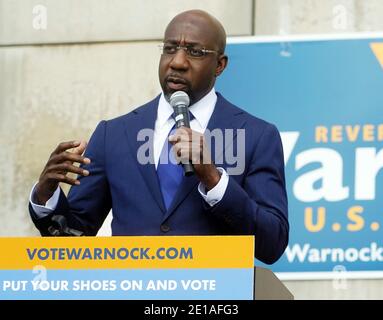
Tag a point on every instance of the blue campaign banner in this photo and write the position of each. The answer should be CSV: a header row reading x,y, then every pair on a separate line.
x,y
326,98
127,284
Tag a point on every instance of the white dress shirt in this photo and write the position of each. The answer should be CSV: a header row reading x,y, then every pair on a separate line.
x,y
202,111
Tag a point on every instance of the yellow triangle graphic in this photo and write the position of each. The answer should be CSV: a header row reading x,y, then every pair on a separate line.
x,y
377,49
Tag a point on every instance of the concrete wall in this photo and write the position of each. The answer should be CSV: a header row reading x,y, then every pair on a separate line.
x,y
350,289
109,20
317,16
92,60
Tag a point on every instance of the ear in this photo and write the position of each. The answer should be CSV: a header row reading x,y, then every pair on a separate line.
x,y
221,64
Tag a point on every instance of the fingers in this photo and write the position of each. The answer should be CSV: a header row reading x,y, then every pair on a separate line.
x,y
63,146
184,155
186,151
60,177
77,146
189,145
183,134
68,156
80,148
67,167
61,162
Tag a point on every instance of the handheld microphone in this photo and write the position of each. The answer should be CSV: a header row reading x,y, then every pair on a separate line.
x,y
180,101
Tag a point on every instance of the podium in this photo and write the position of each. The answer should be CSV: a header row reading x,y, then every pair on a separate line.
x,y
268,287
135,268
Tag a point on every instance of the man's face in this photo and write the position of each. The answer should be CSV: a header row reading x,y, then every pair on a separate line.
x,y
178,71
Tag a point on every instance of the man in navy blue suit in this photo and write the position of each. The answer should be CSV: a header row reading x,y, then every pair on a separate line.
x,y
153,197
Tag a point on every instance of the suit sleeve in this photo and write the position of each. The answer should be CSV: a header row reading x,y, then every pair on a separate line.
x,y
259,205
88,204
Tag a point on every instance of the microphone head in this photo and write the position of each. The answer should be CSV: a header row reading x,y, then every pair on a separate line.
x,y
179,98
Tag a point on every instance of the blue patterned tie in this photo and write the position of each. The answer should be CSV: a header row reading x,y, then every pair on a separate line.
x,y
169,173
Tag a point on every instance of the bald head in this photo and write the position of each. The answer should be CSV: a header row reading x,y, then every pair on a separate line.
x,y
195,74
205,22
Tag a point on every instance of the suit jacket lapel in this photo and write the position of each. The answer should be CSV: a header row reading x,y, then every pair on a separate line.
x,y
144,118
223,117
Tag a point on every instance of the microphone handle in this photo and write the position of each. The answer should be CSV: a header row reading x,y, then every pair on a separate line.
x,y
182,120
188,169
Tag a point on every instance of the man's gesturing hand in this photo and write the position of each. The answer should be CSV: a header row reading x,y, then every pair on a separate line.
x,y
59,164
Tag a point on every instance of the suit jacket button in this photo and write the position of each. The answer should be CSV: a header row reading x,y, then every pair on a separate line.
x,y
165,228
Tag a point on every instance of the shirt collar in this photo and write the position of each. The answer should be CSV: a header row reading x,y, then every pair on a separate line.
x,y
201,110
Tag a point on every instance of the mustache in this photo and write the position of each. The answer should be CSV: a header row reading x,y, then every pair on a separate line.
x,y
177,79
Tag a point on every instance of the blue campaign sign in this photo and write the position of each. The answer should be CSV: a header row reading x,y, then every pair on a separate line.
x,y
326,98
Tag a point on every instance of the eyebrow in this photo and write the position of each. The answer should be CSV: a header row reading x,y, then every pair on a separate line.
x,y
190,43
